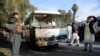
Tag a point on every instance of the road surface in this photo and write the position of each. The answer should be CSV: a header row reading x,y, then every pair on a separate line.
x,y
62,50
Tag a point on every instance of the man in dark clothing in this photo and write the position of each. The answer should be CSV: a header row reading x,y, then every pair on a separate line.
x,y
75,34
81,32
89,33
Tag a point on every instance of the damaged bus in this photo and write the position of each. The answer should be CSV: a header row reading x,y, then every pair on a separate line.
x,y
43,28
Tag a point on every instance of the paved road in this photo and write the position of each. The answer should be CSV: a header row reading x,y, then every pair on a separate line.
x,y
62,50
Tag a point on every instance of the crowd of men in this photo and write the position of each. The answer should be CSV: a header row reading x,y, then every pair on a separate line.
x,y
87,32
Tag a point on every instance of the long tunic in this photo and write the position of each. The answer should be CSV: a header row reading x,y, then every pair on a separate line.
x,y
88,36
69,32
15,37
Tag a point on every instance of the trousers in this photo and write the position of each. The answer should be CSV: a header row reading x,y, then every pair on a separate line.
x,y
69,33
88,45
16,43
75,37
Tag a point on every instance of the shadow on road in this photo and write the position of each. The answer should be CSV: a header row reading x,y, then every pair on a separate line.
x,y
2,54
62,50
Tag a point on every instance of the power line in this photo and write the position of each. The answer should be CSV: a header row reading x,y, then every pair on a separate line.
x,y
95,9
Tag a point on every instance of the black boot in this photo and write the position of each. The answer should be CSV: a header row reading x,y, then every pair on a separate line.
x,y
77,45
84,50
90,50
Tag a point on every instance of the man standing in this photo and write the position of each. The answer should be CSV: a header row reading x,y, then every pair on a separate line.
x,y
16,29
89,34
69,32
74,34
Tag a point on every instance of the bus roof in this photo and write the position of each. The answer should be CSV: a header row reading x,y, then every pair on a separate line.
x,y
47,12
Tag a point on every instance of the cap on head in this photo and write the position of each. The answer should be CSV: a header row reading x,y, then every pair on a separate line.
x,y
15,13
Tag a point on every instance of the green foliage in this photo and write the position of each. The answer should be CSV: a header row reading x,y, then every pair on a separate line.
x,y
9,6
66,17
69,16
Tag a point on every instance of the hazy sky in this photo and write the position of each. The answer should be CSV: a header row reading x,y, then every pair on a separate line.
x,y
86,7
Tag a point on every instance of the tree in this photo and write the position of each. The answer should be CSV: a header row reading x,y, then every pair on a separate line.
x,y
9,6
74,8
66,17
69,16
63,17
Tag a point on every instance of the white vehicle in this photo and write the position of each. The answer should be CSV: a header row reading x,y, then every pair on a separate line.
x,y
43,29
